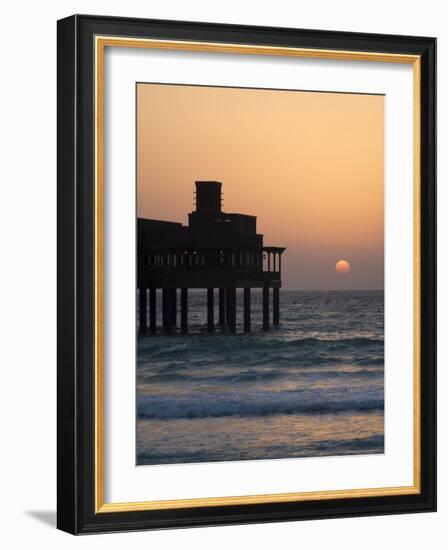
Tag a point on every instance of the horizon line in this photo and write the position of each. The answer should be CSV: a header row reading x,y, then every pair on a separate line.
x,y
333,289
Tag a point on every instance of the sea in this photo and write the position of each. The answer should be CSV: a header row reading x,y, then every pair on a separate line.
x,y
312,387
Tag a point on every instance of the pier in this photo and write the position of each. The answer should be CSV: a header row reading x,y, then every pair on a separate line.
x,y
215,251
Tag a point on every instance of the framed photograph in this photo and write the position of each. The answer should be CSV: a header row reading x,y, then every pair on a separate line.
x,y
246,274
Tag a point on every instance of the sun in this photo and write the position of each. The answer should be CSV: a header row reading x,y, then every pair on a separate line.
x,y
342,267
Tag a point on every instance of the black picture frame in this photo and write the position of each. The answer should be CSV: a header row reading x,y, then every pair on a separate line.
x,y
76,511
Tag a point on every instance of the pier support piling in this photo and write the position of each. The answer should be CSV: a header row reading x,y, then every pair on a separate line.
x,y
210,310
247,309
231,309
222,306
276,305
142,310
184,310
167,313
173,299
266,307
152,310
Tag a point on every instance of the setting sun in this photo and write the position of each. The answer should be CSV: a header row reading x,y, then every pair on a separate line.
x,y
342,267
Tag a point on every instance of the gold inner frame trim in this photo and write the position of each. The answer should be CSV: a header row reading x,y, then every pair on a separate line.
x,y
101,42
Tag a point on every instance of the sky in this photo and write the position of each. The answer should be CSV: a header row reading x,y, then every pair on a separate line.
x,y
309,165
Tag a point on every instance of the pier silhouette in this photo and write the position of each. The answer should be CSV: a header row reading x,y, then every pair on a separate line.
x,y
216,250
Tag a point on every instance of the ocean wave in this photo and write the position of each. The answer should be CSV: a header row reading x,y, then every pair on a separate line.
x,y
356,341
176,342
197,351
355,445
256,375
202,377
327,447
207,404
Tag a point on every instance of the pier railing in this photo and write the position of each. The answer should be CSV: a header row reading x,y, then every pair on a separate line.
x,y
222,270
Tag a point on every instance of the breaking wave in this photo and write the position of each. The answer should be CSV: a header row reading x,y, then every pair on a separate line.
x,y
206,405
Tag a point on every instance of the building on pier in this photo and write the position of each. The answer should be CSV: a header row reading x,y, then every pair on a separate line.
x,y
216,250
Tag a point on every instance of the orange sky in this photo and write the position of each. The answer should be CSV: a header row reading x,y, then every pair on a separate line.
x,y
309,165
